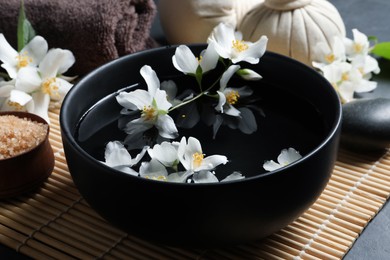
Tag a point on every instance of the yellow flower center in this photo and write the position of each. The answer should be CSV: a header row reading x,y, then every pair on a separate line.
x,y
149,113
199,59
330,58
345,76
239,45
23,60
197,159
358,47
232,97
16,106
50,87
157,178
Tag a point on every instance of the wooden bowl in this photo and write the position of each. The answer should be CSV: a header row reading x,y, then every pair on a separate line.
x,y
26,171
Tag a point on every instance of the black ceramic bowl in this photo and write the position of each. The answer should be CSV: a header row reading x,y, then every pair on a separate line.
x,y
214,214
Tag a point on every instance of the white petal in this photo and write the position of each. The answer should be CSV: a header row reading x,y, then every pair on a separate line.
x,y
221,101
210,58
166,153
28,80
41,105
36,49
234,176
5,89
117,155
184,60
150,78
126,169
231,110
223,36
210,162
271,166
227,75
204,177
254,52
193,146
346,90
55,62
288,156
8,56
180,177
134,99
63,88
19,97
259,47
153,170
166,127
139,156
162,102
181,154
365,86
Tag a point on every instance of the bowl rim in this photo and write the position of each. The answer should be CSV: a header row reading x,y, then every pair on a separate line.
x,y
66,131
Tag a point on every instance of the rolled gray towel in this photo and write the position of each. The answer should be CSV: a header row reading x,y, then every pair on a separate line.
x,y
96,31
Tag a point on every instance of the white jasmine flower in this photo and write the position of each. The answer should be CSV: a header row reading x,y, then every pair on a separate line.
x,y
117,157
358,46
185,61
45,83
366,65
30,56
152,104
193,159
347,79
286,157
323,55
165,153
229,44
155,170
18,101
337,74
228,97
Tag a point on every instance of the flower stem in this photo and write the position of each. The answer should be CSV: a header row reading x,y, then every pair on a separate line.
x,y
196,97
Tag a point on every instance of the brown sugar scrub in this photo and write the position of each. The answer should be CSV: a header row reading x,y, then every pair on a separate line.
x,y
26,155
19,135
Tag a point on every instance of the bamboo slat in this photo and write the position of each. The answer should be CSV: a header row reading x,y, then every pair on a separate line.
x,y
55,222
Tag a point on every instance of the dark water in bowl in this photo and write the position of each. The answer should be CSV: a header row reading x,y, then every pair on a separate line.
x,y
288,120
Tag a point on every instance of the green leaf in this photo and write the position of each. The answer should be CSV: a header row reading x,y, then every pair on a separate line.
x,y
373,39
382,50
25,31
198,76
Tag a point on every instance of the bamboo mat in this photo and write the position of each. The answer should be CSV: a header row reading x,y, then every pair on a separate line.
x,y
55,222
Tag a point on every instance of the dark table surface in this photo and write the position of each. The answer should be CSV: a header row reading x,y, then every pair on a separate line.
x,y
372,18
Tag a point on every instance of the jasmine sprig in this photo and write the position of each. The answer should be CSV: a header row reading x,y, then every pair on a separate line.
x,y
25,31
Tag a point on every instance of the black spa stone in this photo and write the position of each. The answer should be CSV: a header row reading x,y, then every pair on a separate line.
x,y
366,124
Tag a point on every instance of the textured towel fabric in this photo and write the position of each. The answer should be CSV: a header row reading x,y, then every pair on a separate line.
x,y
96,31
